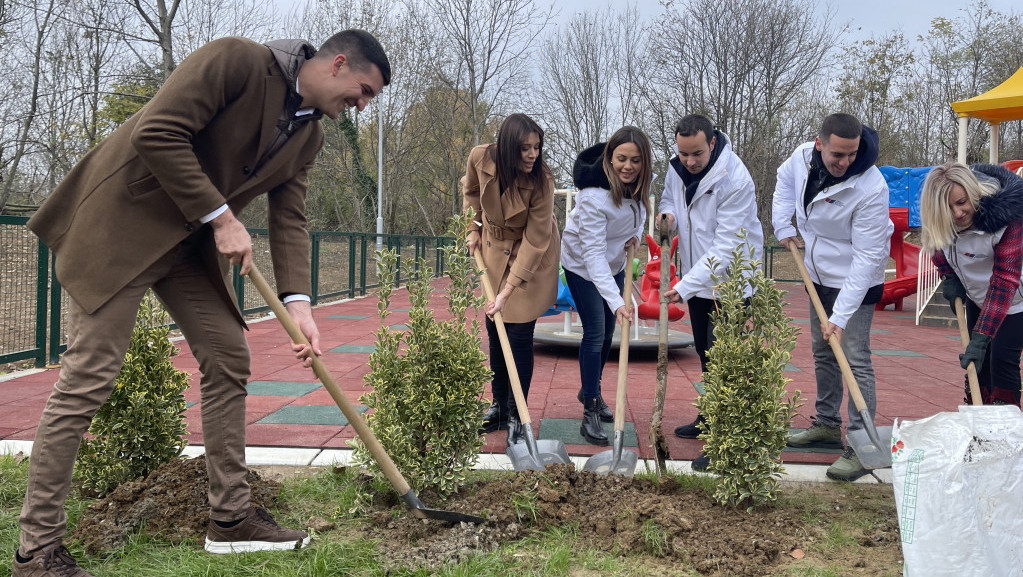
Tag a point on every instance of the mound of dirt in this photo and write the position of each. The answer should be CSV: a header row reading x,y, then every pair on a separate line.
x,y
612,513
171,502
664,521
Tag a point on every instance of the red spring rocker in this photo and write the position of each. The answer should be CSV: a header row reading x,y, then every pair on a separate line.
x,y
650,286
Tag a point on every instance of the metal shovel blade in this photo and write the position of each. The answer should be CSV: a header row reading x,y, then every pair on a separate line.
x,y
423,512
615,460
533,455
873,453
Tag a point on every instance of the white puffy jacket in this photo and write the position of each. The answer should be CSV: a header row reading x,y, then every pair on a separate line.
x,y
593,244
846,229
725,202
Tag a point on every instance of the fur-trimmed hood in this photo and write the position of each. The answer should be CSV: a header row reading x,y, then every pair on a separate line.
x,y
999,209
588,170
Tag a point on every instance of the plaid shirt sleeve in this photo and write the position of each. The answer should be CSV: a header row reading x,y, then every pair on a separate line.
x,y
939,260
1005,279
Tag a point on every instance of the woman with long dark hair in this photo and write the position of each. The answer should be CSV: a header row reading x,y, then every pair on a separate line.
x,y
510,188
613,180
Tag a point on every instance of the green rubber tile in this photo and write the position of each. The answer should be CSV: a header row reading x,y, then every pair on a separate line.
x,y
698,385
880,332
801,321
789,367
308,415
281,388
190,404
896,353
399,310
348,317
398,327
567,431
353,349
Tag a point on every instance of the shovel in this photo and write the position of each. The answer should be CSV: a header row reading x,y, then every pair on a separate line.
x,y
408,496
866,442
971,370
532,454
616,460
660,444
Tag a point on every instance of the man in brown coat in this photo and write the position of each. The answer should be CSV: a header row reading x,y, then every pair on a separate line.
x,y
152,206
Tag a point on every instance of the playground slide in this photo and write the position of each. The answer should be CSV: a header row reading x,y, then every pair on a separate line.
x,y
906,257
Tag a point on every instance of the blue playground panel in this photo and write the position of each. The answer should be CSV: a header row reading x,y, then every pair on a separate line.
x,y
904,186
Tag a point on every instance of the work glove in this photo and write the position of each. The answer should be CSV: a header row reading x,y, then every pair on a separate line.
x,y
952,288
975,351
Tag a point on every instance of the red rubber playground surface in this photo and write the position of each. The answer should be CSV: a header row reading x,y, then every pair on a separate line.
x,y
917,372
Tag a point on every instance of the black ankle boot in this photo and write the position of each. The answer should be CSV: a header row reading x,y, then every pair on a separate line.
x,y
494,419
515,434
591,429
606,415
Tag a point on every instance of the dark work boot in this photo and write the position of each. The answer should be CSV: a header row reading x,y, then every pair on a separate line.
x,y
591,429
494,418
515,434
606,415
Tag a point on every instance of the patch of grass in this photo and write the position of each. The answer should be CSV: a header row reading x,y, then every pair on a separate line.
x,y
555,551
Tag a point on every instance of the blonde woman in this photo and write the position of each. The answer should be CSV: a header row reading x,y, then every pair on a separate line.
x,y
972,221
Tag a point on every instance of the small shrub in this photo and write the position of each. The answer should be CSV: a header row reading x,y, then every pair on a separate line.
x,y
744,403
427,382
140,427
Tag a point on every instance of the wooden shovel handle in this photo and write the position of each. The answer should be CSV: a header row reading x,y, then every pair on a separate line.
x,y
346,406
502,333
836,345
623,346
971,369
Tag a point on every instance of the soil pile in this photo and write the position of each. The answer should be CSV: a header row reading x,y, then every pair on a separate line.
x,y
612,512
676,526
171,502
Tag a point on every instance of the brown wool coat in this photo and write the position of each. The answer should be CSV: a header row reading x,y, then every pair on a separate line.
x,y
192,148
520,238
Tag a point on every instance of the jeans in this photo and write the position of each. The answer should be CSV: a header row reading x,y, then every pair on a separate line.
x,y
598,329
520,339
856,346
999,378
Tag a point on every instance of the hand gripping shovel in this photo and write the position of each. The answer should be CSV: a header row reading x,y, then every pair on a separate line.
x,y
660,444
874,453
532,454
971,370
361,428
616,460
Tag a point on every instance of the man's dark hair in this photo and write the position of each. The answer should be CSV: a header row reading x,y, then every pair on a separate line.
x,y
361,48
841,125
690,125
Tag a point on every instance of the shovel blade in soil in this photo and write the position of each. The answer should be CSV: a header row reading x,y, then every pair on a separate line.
x,y
423,512
872,455
615,460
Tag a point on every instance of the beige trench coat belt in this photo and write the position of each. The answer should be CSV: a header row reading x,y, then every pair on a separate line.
x,y
502,233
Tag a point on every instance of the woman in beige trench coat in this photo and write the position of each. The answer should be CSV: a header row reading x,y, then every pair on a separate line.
x,y
510,189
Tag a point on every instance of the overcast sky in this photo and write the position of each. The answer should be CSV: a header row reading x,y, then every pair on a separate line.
x,y
867,17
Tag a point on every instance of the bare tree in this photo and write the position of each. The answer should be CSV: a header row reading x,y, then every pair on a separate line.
x,y
743,63
490,40
158,17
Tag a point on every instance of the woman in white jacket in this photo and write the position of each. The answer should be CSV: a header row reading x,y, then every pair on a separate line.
x,y
710,196
613,180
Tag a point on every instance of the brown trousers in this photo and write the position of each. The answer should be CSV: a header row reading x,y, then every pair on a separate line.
x,y
96,347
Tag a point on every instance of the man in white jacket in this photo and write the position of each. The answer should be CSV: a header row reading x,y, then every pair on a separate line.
x,y
840,201
709,196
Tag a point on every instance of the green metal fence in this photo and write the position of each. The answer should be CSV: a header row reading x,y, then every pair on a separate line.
x,y
33,306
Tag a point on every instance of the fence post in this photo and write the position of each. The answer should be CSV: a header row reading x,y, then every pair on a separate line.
x,y
55,308
315,274
42,259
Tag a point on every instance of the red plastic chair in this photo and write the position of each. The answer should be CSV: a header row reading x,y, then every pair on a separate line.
x,y
650,286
